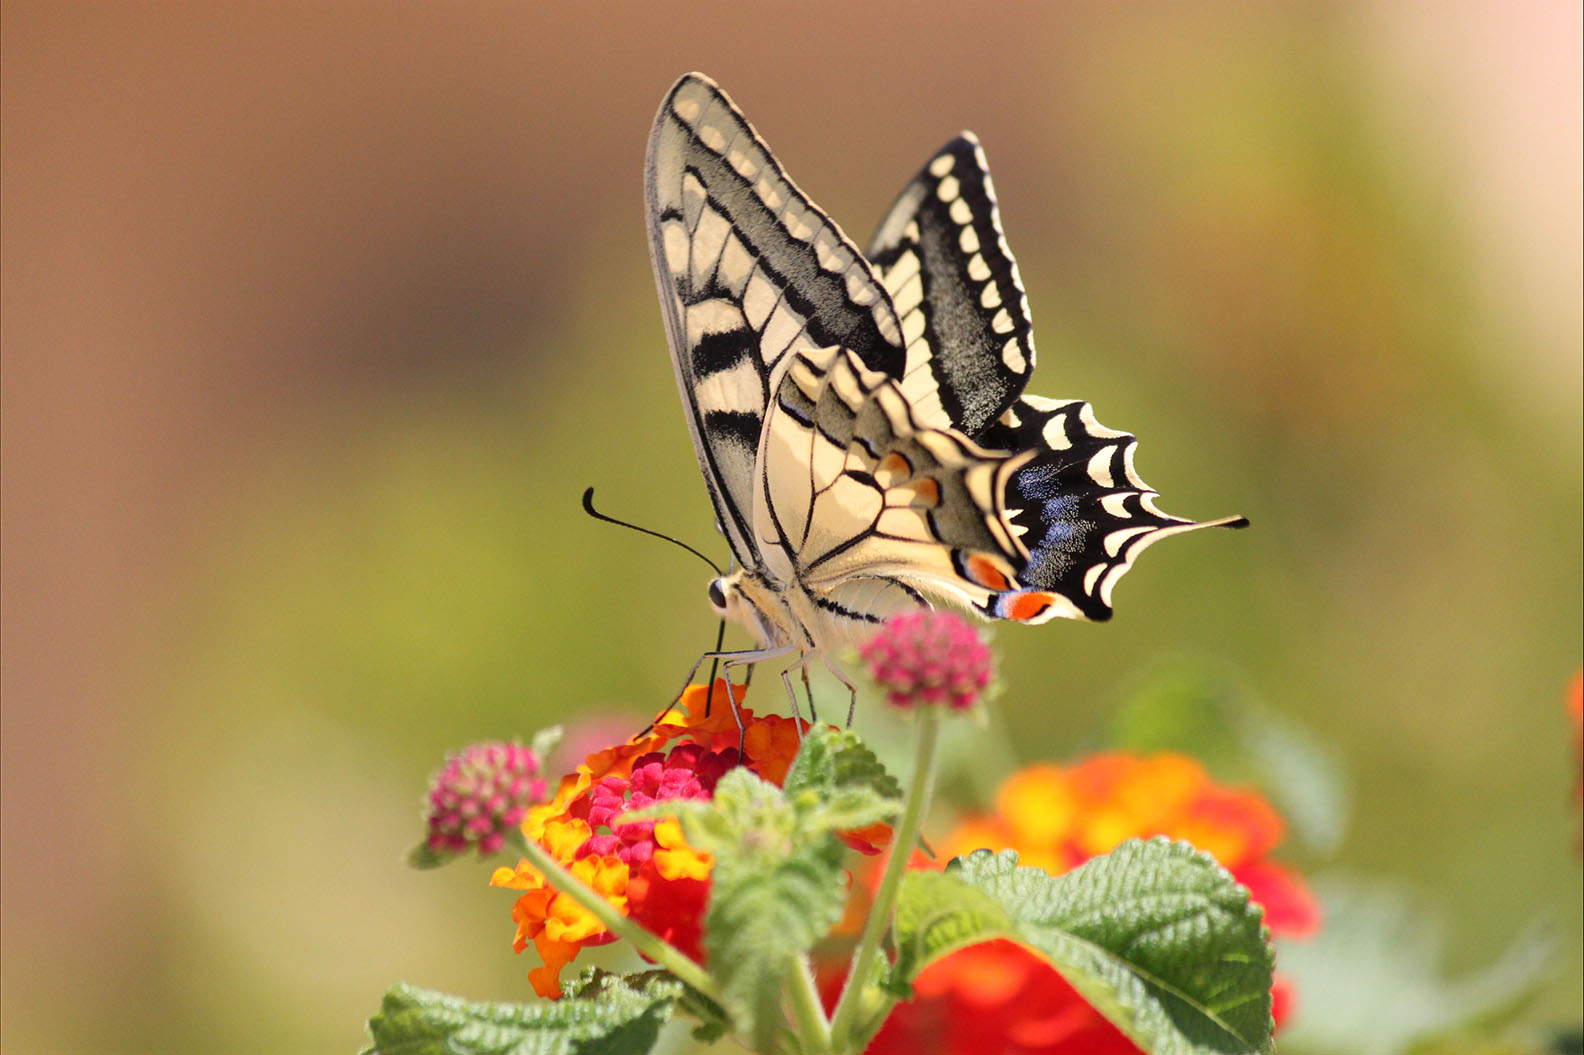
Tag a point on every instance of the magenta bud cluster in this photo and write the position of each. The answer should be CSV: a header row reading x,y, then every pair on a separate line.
x,y
482,792
929,657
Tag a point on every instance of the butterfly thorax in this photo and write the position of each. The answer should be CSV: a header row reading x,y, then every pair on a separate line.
x,y
780,613
766,607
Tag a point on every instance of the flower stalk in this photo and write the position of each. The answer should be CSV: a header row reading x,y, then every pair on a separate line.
x,y
814,1031
905,837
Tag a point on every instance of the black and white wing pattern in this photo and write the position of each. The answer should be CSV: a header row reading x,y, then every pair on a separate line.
x,y
1080,510
945,262
748,269
860,420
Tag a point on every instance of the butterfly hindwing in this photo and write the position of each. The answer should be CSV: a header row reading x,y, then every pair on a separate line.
x,y
868,509
747,269
1080,508
942,255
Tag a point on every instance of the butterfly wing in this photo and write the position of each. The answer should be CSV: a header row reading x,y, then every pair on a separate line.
x,y
748,269
868,509
942,255
1078,509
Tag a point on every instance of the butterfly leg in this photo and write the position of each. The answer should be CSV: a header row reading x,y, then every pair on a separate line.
x,y
752,655
852,690
809,692
739,659
797,718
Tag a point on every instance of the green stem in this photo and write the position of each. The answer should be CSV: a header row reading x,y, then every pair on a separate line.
x,y
660,951
813,1029
902,842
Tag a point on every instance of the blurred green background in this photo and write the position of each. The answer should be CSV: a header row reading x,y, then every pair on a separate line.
x,y
317,319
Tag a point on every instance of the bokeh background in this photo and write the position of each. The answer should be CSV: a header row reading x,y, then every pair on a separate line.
x,y
318,318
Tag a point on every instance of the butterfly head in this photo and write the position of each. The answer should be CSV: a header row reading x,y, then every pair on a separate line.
x,y
717,596
748,599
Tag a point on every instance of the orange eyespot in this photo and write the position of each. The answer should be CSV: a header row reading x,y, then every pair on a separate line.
x,y
984,572
895,464
926,493
1026,606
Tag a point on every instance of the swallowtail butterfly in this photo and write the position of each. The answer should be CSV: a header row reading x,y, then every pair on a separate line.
x,y
859,417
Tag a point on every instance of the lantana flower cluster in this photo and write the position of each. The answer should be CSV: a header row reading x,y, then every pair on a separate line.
x,y
997,996
645,869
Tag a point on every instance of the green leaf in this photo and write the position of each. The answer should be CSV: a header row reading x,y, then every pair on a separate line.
x,y
775,890
837,784
1200,709
1156,935
1370,979
832,759
601,1014
424,858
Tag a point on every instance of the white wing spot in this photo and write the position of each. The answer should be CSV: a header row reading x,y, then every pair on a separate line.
x,y
1091,577
709,241
1002,323
1012,355
770,194
1116,504
712,137
743,163
1055,433
859,290
796,221
735,264
1100,467
676,247
828,251
978,270
759,299
1117,539
735,389
968,240
1094,428
949,189
990,297
942,165
959,212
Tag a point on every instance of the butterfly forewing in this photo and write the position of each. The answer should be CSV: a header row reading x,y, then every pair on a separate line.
x,y
747,269
956,289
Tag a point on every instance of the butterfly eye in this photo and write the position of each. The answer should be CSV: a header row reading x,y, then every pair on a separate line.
x,y
717,596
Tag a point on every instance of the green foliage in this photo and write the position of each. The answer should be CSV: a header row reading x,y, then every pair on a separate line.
x,y
1155,935
1374,971
423,856
776,889
600,1014
839,784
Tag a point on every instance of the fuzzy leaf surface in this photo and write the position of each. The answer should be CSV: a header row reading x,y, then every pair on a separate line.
x,y
601,1014
1156,935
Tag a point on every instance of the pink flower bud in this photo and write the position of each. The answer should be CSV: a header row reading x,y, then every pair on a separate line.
x,y
482,792
929,657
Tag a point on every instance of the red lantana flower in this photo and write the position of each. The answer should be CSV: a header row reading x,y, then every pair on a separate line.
x,y
645,869
999,996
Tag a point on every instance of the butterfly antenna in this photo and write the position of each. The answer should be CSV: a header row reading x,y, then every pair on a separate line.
x,y
588,507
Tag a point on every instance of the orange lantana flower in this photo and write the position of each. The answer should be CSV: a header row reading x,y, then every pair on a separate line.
x,y
645,869
999,996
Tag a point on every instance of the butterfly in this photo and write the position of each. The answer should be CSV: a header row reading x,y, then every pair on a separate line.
x,y
859,418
